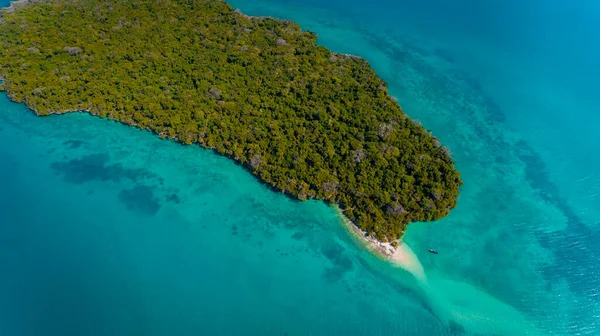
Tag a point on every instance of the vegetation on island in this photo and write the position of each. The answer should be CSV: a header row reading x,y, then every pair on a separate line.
x,y
309,122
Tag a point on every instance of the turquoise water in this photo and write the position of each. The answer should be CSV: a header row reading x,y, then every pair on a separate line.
x,y
108,230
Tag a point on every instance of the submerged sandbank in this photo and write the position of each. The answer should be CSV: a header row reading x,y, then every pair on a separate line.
x,y
472,308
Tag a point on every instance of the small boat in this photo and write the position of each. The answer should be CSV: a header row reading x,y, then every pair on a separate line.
x,y
433,251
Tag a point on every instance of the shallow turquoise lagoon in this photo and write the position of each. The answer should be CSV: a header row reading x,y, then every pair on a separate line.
x,y
108,230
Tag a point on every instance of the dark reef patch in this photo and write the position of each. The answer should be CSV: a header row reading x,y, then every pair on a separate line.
x,y
441,85
299,235
493,110
491,107
173,198
468,80
576,242
140,198
333,274
456,329
337,256
73,143
96,167
535,172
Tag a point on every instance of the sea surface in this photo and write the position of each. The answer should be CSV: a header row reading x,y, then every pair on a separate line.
x,y
108,230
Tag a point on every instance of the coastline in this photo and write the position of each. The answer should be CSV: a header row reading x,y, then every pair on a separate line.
x,y
14,4
396,252
383,250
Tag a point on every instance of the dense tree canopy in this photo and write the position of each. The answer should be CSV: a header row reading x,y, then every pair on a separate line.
x,y
307,121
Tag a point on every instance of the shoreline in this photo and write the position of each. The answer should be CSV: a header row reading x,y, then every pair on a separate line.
x,y
14,4
400,255
397,255
383,250
395,251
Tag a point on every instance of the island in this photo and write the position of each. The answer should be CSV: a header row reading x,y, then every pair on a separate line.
x,y
308,122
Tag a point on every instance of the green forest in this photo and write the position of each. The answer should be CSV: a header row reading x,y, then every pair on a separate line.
x,y
308,122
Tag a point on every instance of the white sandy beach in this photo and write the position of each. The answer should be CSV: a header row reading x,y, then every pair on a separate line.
x,y
401,255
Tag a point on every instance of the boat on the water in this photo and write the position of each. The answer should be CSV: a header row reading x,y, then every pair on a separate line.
x,y
433,251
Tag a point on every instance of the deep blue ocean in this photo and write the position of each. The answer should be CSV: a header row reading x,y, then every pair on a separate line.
x,y
108,230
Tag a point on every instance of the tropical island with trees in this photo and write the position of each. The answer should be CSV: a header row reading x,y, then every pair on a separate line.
x,y
308,122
